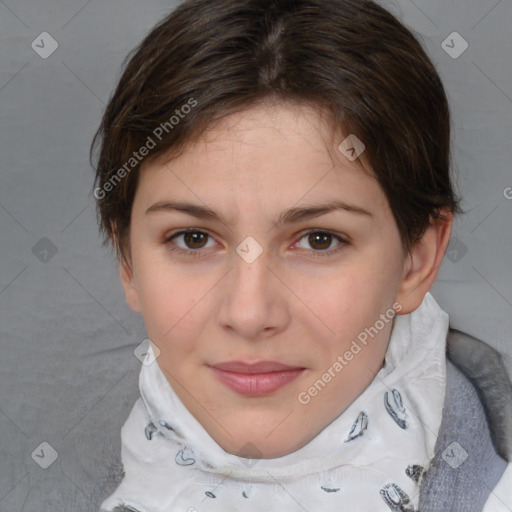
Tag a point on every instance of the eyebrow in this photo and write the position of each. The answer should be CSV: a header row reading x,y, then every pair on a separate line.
x,y
289,216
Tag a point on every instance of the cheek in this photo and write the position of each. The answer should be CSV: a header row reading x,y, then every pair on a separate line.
x,y
168,298
347,299
348,303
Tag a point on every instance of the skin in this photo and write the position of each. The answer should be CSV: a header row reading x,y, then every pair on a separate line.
x,y
292,304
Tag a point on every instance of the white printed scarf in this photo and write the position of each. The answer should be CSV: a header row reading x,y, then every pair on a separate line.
x,y
369,459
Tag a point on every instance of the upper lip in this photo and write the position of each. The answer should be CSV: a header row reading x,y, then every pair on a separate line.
x,y
261,367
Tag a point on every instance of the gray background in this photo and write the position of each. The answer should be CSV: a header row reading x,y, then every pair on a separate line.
x,y
68,376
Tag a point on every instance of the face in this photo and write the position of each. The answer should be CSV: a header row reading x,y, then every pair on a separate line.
x,y
265,274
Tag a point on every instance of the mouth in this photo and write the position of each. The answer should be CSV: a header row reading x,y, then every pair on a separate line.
x,y
255,379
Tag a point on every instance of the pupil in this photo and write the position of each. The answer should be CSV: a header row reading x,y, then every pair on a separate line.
x,y
191,238
313,238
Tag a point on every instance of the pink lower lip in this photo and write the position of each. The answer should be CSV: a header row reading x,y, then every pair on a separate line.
x,y
255,384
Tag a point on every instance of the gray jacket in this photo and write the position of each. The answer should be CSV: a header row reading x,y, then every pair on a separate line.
x,y
474,443
475,439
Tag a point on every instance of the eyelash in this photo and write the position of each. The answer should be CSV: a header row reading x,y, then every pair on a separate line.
x,y
200,252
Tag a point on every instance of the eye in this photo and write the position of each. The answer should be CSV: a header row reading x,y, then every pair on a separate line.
x,y
193,240
322,240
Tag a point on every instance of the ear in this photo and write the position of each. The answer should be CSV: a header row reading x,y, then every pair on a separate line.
x,y
422,264
130,290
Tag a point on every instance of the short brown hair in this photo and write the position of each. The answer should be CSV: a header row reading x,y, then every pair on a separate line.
x,y
350,57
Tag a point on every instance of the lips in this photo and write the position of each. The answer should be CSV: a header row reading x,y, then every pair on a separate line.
x,y
255,379
262,367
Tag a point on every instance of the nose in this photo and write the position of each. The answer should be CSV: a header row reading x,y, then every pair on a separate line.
x,y
254,303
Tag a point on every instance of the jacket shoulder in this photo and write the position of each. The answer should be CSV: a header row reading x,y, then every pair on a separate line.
x,y
467,464
483,366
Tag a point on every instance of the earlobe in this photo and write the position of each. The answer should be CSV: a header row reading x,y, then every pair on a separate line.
x,y
423,263
130,290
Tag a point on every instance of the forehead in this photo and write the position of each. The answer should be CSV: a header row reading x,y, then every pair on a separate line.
x,y
269,153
